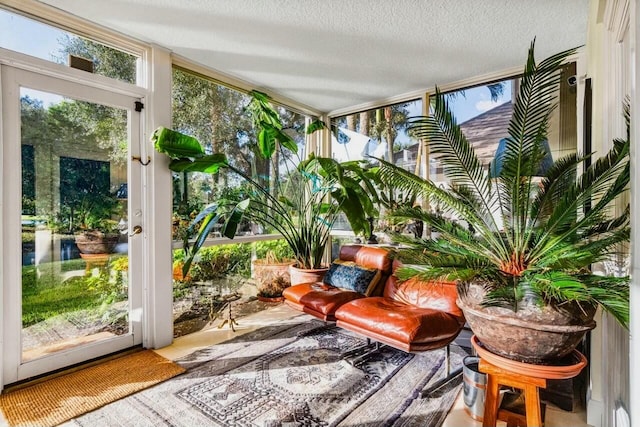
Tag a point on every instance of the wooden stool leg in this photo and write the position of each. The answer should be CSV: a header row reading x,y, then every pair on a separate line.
x,y
491,398
532,405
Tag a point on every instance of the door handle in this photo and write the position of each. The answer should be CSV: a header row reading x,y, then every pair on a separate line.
x,y
136,230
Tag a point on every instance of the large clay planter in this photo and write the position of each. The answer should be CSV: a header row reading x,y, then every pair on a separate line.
x,y
271,277
299,275
96,242
533,334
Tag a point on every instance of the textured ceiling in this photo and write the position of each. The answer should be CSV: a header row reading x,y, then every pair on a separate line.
x,y
332,54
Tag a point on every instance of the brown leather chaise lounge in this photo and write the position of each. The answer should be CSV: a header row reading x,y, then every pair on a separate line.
x,y
322,300
411,316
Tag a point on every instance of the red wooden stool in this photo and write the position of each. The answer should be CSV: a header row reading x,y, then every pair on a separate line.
x,y
525,376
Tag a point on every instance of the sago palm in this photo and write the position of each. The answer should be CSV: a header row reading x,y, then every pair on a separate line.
x,y
553,229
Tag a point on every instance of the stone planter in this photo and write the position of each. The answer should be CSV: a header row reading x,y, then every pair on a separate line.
x,y
299,275
533,334
96,242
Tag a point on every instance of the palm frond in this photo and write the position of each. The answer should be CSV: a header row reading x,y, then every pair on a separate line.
x,y
560,176
612,293
604,180
454,151
437,274
527,130
403,180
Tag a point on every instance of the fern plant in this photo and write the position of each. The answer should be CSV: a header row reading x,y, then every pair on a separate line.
x,y
552,229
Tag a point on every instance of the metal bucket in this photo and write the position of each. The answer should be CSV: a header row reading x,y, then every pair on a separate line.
x,y
474,385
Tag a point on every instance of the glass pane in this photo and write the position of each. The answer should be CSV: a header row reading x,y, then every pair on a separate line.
x,y
216,115
74,260
43,41
380,133
483,114
218,271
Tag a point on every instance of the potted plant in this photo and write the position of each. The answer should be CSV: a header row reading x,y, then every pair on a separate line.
x,y
526,288
305,205
92,218
270,270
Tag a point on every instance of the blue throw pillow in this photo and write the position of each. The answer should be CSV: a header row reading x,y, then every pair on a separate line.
x,y
351,276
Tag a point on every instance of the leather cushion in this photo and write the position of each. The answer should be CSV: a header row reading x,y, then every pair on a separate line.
x,y
433,294
351,276
319,297
368,256
399,321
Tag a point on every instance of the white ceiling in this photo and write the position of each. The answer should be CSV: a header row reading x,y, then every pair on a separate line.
x,y
332,54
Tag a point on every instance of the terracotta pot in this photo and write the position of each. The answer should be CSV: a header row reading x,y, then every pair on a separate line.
x,y
567,367
271,277
299,275
96,242
533,334
177,273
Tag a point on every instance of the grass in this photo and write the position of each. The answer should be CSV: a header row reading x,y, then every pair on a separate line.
x,y
49,296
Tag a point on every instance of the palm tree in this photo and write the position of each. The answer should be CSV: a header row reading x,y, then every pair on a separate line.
x,y
553,229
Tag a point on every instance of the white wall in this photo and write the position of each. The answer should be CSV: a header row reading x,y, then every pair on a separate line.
x,y
609,65
635,209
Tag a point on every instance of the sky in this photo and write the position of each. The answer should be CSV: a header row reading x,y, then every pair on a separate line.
x,y
476,101
33,38
27,36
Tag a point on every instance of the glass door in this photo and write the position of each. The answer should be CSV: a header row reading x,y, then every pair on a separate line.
x,y
70,193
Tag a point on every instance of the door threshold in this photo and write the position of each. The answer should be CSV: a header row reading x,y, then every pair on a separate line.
x,y
69,369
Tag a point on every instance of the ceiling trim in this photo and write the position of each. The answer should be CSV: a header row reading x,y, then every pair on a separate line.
x,y
448,87
241,85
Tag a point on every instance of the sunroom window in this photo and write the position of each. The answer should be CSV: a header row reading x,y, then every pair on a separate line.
x,y
377,133
483,113
215,114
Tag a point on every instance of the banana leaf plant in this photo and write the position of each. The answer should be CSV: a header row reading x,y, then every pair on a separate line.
x,y
309,201
266,119
552,228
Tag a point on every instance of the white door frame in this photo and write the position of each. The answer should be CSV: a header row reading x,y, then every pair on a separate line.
x,y
12,79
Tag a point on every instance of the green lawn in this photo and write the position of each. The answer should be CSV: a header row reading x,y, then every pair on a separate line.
x,y
47,296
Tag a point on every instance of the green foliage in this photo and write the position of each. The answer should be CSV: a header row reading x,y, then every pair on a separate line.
x,y
278,249
389,122
300,208
48,296
548,239
216,261
233,258
315,126
85,200
107,61
267,120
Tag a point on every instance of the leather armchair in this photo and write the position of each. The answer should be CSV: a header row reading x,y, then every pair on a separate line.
x,y
322,300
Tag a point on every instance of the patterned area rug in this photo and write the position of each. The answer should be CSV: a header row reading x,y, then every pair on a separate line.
x,y
289,375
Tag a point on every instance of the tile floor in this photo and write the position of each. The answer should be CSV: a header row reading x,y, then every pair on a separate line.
x,y
281,313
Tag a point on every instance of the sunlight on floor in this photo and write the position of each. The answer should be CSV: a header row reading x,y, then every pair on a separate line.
x,y
281,314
